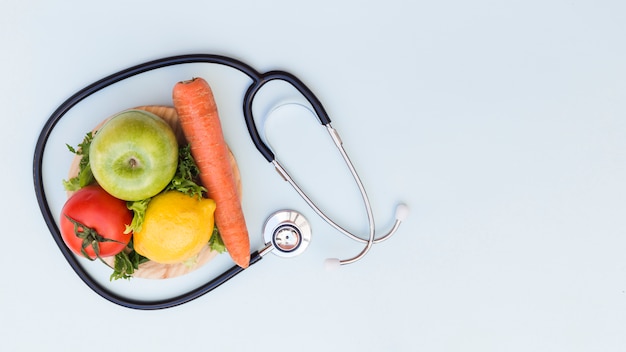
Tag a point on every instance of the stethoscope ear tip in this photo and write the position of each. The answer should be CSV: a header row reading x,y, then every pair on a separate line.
x,y
402,211
332,264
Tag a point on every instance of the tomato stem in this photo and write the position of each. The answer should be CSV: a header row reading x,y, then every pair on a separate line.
x,y
91,238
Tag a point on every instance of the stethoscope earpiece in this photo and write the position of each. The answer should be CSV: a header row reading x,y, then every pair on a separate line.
x,y
402,211
331,264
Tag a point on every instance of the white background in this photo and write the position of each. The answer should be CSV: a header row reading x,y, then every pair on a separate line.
x,y
501,123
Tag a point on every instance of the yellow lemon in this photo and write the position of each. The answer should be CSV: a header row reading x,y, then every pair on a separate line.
x,y
175,228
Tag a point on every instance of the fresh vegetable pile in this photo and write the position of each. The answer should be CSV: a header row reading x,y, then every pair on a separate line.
x,y
141,196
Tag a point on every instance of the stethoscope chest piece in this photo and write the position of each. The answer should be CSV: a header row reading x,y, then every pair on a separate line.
x,y
288,232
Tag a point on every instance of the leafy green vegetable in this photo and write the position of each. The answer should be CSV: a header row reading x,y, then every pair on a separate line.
x,y
85,176
126,263
139,212
185,179
216,243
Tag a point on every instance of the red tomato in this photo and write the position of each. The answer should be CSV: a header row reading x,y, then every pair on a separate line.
x,y
101,220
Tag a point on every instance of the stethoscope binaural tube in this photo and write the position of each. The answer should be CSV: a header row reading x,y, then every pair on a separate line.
x,y
268,154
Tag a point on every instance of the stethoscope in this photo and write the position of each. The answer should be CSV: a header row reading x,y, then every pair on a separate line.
x,y
286,233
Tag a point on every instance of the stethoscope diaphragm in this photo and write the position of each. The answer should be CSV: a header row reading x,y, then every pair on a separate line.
x,y
287,232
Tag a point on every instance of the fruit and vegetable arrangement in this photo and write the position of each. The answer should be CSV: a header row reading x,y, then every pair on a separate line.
x,y
154,191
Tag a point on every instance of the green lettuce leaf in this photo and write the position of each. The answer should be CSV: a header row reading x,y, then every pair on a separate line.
x,y
84,176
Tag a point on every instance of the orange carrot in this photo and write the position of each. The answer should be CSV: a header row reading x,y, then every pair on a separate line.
x,y
201,125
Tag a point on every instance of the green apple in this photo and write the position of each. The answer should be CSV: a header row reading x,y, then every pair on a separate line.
x,y
134,155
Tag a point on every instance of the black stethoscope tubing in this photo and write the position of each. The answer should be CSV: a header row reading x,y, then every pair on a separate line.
x,y
256,86
258,80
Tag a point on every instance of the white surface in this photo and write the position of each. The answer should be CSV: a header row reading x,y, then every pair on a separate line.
x,y
502,125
